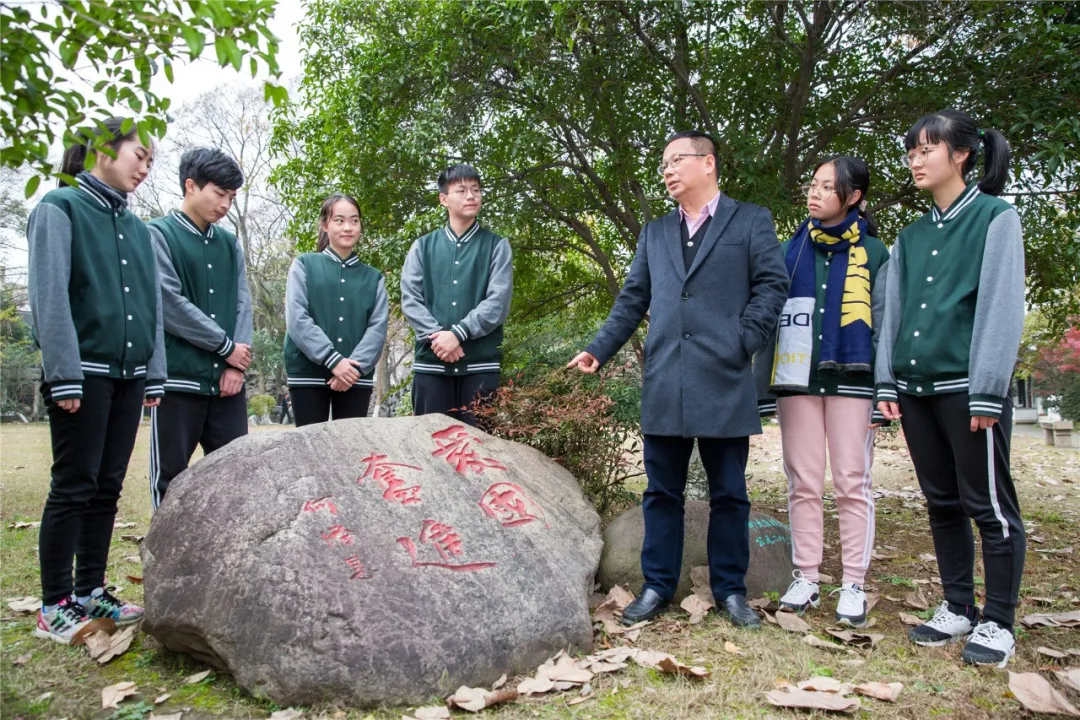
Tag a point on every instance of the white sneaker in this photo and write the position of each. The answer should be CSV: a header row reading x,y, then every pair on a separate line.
x,y
801,594
989,644
65,623
945,627
851,609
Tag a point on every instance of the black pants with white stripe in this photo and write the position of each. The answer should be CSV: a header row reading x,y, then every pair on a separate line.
x,y
965,476
452,395
91,449
184,421
315,404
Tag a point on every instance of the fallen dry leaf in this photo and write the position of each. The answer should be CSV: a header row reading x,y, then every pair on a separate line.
x,y
113,695
815,641
697,607
133,538
134,579
286,714
197,677
1069,677
24,525
118,644
1036,694
732,648
162,698
699,580
173,716
24,604
826,684
133,559
911,620
97,643
476,699
499,683
22,660
535,686
650,658
565,669
880,690
792,622
858,639
928,557
432,712
673,666
915,599
825,579
1067,619
881,556
1040,600
621,596
581,699
762,604
1051,652
795,698
872,600
123,525
1075,652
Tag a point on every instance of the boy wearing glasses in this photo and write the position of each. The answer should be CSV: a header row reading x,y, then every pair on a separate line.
x,y
456,287
712,279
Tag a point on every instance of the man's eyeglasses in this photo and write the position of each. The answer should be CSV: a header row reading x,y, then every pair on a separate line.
x,y
674,160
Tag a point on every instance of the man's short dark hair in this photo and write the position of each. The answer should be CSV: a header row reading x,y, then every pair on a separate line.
x,y
703,142
457,173
210,165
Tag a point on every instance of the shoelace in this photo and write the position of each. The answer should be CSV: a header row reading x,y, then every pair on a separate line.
x,y
110,601
72,613
942,616
987,632
801,584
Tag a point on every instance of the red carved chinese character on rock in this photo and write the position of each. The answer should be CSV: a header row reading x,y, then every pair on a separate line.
x,y
385,474
359,571
446,542
339,534
323,503
508,504
455,444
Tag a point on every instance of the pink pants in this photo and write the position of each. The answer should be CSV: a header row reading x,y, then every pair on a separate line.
x,y
807,424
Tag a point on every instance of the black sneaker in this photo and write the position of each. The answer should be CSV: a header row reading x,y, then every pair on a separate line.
x,y
945,627
989,644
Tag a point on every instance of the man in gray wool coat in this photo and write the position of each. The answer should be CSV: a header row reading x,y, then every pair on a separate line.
x,y
713,281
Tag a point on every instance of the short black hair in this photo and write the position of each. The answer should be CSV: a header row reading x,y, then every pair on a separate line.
x,y
703,142
457,173
210,165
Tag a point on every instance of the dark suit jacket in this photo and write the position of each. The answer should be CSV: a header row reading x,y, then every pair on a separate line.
x,y
705,324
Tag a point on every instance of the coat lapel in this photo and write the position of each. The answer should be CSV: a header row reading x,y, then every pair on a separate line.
x,y
673,242
725,209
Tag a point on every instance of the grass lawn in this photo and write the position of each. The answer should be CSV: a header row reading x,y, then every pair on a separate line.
x,y
52,681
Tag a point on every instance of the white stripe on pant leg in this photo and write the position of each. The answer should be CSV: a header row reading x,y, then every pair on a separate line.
x,y
993,481
790,483
868,492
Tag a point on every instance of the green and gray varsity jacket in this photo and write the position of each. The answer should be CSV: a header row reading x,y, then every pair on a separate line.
x,y
461,284
954,305
825,383
93,290
206,304
334,309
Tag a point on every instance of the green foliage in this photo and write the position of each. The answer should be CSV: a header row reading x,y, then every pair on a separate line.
x,y
564,107
588,424
123,44
261,405
1069,405
268,358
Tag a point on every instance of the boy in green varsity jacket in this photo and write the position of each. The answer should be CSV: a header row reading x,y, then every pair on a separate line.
x,y
336,314
208,325
456,287
97,318
954,312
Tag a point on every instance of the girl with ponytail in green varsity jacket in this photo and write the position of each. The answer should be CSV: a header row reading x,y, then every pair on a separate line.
x,y
96,307
336,313
954,312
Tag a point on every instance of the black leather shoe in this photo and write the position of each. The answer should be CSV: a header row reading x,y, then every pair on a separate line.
x,y
741,614
646,606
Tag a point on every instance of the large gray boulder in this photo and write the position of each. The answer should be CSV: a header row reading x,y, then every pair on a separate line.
x,y
770,551
372,561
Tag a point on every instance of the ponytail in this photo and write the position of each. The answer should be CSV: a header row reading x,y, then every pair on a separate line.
x,y
959,132
871,224
74,160
324,217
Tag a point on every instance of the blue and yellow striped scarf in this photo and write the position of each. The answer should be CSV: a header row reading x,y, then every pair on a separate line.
x,y
846,328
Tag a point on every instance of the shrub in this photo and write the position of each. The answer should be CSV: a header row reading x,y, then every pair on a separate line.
x,y
261,405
